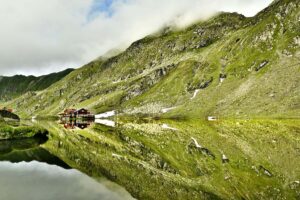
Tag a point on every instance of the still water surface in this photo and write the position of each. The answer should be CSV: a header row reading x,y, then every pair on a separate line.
x,y
40,181
30,172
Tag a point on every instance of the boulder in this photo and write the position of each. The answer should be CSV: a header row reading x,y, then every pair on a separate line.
x,y
261,65
265,171
225,159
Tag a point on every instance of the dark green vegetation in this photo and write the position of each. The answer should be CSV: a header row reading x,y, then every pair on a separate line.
x,y
8,132
27,150
9,115
153,162
11,129
11,87
257,58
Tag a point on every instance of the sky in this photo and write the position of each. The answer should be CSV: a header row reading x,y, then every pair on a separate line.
x,y
44,36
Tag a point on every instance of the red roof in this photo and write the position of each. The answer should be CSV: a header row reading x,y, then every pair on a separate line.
x,y
70,111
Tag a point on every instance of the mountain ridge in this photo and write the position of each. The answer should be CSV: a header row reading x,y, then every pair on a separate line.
x,y
14,86
166,70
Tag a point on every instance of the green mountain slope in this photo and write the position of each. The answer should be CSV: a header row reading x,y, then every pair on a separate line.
x,y
15,86
229,66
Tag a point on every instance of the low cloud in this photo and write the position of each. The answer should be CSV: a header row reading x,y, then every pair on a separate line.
x,y
39,37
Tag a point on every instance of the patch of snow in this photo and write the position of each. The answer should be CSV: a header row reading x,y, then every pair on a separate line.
x,y
212,118
166,126
116,155
106,115
33,119
297,40
222,80
196,143
105,122
118,81
224,157
263,64
165,110
195,94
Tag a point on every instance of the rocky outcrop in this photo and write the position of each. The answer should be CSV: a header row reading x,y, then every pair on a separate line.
x,y
10,115
202,84
261,65
194,146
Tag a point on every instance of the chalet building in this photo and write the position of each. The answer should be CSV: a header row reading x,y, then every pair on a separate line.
x,y
77,114
8,114
82,111
69,112
7,109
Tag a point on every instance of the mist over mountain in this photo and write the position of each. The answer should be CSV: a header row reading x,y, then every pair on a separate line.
x,y
41,37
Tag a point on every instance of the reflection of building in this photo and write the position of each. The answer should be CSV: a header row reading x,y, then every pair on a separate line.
x,y
72,124
72,118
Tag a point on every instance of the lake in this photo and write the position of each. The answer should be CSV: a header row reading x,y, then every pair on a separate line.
x,y
30,172
157,159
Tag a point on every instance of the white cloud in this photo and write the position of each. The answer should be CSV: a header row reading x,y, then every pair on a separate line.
x,y
38,37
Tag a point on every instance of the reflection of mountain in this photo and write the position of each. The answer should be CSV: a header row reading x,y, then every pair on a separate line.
x,y
27,150
83,124
105,122
198,160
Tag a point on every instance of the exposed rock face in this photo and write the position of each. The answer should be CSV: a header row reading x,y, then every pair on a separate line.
x,y
202,84
265,171
195,146
261,65
225,159
222,78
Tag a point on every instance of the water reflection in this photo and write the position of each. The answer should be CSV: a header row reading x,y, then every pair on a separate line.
x,y
28,150
41,181
83,124
76,123
28,171
105,122
7,146
167,155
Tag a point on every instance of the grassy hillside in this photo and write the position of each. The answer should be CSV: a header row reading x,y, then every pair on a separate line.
x,y
11,87
258,60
